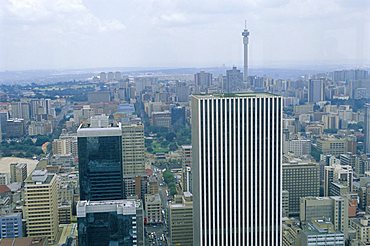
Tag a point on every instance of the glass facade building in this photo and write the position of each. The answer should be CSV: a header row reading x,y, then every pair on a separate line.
x,y
103,223
100,163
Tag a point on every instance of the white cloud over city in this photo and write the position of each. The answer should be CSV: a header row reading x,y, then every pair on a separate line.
x,y
37,34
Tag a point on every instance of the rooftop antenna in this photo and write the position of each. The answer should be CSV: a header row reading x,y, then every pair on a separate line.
x,y
245,23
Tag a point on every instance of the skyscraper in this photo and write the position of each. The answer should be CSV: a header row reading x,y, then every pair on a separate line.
x,y
133,162
245,35
237,155
233,82
300,180
367,128
203,80
41,205
118,222
180,220
100,163
315,90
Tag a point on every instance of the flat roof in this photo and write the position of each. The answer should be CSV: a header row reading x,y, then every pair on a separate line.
x,y
125,207
114,131
234,95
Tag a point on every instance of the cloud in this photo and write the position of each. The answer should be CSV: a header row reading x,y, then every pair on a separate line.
x,y
91,33
64,15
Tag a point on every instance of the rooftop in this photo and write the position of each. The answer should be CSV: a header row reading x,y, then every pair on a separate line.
x,y
4,189
25,241
125,207
46,178
236,95
87,131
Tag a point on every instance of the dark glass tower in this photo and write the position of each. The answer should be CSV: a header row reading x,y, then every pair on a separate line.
x,y
118,222
100,163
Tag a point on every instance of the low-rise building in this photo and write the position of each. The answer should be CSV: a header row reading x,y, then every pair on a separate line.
x,y
321,232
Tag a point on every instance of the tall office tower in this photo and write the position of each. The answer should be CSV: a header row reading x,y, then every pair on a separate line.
x,y
18,172
233,81
103,76
100,163
338,180
133,162
110,76
300,180
315,91
20,110
367,128
245,35
237,156
186,158
203,80
178,117
117,75
41,205
4,116
180,220
350,75
118,222
41,107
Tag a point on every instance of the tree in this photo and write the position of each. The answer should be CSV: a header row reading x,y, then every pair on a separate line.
x,y
173,147
170,136
41,140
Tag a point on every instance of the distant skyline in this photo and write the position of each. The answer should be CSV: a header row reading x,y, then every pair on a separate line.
x,y
76,34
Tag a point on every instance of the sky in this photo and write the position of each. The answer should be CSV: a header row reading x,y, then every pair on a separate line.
x,y
75,34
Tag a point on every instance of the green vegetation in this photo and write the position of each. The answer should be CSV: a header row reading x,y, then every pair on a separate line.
x,y
170,180
356,104
19,149
26,147
165,140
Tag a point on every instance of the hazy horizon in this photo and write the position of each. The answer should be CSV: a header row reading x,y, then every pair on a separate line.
x,y
77,34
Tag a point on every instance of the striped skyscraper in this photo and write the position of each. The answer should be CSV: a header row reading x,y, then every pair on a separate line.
x,y
367,128
237,156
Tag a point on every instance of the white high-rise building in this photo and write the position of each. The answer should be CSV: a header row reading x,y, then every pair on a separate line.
x,y
237,156
367,128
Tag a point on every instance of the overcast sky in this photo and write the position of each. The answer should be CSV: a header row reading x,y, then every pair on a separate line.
x,y
48,34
